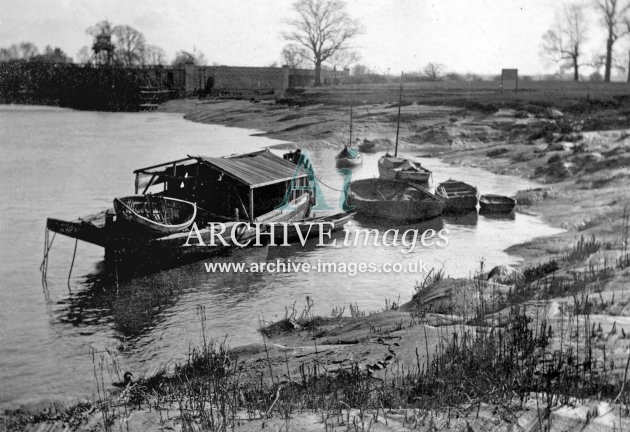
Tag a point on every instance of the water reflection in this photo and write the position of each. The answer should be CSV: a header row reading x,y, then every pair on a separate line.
x,y
131,307
500,216
384,225
136,306
469,219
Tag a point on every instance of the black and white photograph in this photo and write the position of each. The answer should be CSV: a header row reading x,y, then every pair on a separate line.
x,y
314,215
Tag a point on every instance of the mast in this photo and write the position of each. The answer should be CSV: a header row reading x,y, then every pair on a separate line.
x,y
398,121
350,143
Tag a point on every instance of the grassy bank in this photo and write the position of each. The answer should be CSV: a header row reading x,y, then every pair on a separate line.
x,y
542,348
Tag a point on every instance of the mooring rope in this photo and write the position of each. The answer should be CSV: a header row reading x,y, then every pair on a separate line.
x,y
329,187
43,268
44,265
74,254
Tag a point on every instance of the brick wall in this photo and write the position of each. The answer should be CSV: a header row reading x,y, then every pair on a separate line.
x,y
191,79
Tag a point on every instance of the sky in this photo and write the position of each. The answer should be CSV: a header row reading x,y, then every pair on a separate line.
x,y
477,36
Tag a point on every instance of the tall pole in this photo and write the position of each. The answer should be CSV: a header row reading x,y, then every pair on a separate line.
x,y
350,143
351,101
398,121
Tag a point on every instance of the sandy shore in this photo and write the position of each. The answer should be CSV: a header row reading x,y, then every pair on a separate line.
x,y
583,175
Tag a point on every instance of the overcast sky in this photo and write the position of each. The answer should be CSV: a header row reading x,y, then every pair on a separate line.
x,y
479,36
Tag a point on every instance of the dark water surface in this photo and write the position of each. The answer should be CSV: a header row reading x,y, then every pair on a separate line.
x,y
65,163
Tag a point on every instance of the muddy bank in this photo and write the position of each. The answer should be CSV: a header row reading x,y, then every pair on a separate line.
x,y
582,169
568,293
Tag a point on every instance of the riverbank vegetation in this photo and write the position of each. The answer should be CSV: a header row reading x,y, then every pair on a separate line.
x,y
499,348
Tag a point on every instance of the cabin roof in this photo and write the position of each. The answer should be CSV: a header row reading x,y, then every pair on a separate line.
x,y
255,169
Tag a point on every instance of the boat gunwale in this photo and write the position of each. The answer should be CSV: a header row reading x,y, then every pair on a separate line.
x,y
180,226
431,197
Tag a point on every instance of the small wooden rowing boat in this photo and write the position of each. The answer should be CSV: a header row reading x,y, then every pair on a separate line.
x,y
348,157
155,215
496,204
397,168
458,196
394,200
300,230
367,146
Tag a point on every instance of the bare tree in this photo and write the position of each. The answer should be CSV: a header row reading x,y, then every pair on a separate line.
x,y
323,27
627,24
153,55
27,50
130,44
100,28
54,55
343,59
434,71
613,14
359,70
83,55
563,42
294,56
10,53
184,57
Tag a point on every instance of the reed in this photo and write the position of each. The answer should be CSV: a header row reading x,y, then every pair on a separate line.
x,y
507,352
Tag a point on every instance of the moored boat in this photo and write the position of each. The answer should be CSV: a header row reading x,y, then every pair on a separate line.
x,y
400,168
367,146
348,157
491,203
459,197
403,169
394,200
233,191
155,215
302,229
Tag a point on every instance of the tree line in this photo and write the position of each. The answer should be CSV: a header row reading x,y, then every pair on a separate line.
x,y
118,45
321,32
564,42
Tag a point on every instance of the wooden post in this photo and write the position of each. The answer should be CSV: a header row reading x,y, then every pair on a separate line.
x,y
251,204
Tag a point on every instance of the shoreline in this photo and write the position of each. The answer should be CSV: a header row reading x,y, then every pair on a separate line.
x,y
283,125
589,205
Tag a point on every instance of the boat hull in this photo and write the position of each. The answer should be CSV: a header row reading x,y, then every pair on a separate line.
x,y
127,248
496,204
368,146
459,197
302,229
92,229
394,168
393,200
348,162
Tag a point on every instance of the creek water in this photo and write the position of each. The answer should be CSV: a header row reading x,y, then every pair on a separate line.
x,y
64,163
